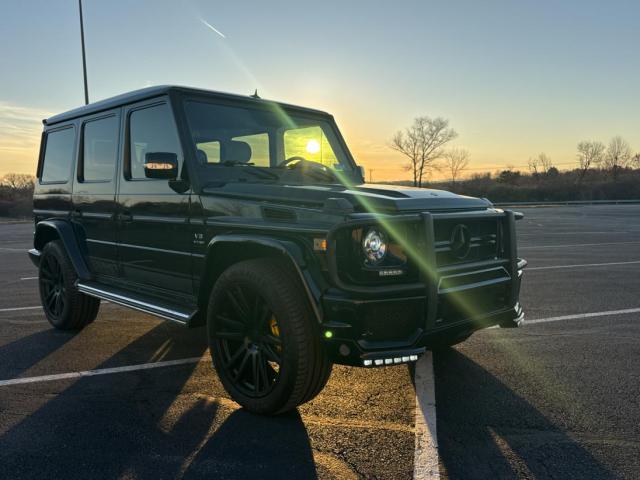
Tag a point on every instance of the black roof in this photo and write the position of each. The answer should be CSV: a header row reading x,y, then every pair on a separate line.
x,y
150,92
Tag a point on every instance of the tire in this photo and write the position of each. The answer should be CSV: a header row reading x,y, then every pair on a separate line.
x,y
264,339
64,306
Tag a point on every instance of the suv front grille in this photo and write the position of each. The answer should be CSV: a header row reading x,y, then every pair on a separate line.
x,y
465,240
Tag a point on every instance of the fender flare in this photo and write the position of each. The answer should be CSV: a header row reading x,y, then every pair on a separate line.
x,y
47,230
288,249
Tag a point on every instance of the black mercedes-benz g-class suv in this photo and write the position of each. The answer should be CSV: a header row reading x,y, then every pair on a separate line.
x,y
251,218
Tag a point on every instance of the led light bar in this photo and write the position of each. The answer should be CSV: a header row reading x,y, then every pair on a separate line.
x,y
379,362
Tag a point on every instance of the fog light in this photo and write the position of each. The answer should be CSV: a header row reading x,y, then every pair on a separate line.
x,y
368,363
405,359
328,334
379,361
397,360
413,358
388,361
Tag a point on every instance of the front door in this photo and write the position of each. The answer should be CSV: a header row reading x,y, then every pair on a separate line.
x,y
154,239
94,192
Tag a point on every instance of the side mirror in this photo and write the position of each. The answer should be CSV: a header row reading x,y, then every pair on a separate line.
x,y
161,165
362,172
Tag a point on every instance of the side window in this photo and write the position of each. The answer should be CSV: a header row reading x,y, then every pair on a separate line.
x,y
310,143
100,149
151,129
58,155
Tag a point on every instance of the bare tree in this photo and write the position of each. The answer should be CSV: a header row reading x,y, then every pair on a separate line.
x,y
545,162
455,161
18,181
422,143
540,163
590,154
618,155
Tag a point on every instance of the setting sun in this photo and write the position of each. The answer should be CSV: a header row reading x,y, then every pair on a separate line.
x,y
313,146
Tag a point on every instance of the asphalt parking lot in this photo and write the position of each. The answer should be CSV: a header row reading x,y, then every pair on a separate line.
x,y
558,398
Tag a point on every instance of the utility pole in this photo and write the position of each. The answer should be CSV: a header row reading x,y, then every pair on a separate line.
x,y
84,58
371,175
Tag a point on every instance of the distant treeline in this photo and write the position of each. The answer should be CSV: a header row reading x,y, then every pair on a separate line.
x,y
16,195
552,185
16,190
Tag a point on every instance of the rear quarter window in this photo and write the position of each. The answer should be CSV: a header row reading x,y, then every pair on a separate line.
x,y
58,155
100,149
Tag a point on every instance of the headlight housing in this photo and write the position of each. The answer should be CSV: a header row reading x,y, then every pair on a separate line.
x,y
374,246
371,254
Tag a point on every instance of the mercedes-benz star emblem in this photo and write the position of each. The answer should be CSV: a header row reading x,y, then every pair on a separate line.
x,y
460,241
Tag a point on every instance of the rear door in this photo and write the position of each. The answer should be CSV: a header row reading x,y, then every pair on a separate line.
x,y
153,220
94,192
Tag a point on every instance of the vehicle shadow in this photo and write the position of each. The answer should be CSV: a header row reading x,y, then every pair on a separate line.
x,y
18,356
485,430
170,422
254,446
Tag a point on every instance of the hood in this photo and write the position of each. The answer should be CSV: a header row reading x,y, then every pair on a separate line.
x,y
363,198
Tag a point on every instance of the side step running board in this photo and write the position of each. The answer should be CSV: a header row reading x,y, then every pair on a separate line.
x,y
137,302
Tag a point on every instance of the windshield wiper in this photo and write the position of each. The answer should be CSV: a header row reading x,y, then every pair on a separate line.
x,y
251,168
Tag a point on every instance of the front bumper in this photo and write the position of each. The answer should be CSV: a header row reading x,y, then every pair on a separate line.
x,y
348,344
381,327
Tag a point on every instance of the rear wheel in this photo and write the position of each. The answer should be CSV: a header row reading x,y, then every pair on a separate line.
x,y
264,339
64,306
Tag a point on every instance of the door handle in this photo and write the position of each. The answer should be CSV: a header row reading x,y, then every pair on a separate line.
x,y
126,217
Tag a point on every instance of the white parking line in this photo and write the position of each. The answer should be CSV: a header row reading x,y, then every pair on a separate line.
x,y
583,315
15,309
576,232
425,458
29,278
100,371
574,317
582,265
538,247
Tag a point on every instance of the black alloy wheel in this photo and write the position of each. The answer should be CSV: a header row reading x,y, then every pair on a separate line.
x,y
247,337
64,306
52,286
264,339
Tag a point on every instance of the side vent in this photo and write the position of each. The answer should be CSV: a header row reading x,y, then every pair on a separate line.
x,y
279,214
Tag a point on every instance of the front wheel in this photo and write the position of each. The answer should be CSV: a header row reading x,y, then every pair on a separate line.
x,y
264,340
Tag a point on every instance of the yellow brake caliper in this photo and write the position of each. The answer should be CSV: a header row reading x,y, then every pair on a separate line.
x,y
273,326
275,331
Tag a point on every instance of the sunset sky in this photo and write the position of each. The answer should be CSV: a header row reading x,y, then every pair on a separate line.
x,y
514,78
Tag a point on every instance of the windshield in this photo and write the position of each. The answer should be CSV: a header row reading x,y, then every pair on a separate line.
x,y
266,143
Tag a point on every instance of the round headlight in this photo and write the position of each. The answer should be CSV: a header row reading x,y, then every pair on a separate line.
x,y
374,246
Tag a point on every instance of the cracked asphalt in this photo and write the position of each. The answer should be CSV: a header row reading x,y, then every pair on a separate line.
x,y
549,400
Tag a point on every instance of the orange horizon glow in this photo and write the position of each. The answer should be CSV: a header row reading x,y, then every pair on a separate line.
x,y
20,130
381,163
